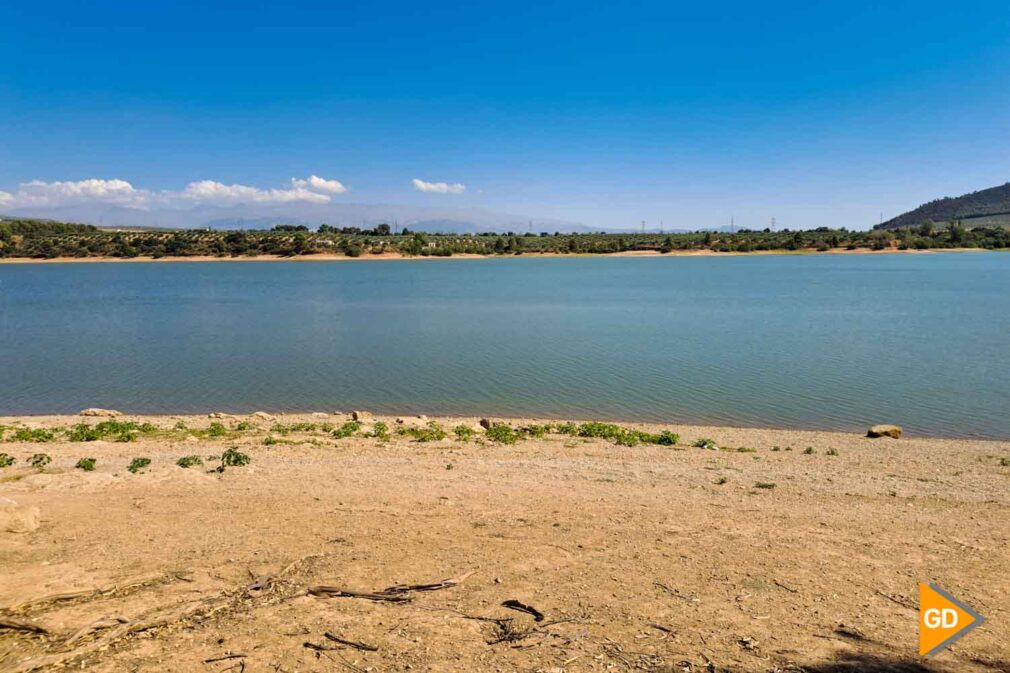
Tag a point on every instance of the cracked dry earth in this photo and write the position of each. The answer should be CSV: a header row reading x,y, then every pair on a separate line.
x,y
644,558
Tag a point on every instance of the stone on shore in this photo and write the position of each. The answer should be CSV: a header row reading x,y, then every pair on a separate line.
x,y
261,416
893,431
361,415
95,411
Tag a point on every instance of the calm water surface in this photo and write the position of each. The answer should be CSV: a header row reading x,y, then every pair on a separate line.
x,y
811,341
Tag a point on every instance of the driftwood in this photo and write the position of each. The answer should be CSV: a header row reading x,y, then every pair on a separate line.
x,y
393,594
63,596
522,607
364,647
435,586
98,625
326,591
11,624
224,657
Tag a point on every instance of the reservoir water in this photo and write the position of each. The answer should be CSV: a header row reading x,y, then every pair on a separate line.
x,y
817,341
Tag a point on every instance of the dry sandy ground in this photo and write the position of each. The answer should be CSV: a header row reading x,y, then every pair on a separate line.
x,y
643,558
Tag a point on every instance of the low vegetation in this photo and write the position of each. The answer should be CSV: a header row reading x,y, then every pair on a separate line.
x,y
464,433
232,457
138,464
379,431
120,431
39,461
346,430
432,432
86,464
189,461
6,460
503,433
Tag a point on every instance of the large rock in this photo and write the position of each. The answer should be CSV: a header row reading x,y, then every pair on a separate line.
x,y
486,423
361,415
893,431
95,411
261,416
15,518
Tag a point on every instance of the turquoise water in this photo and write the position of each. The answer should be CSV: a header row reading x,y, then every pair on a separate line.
x,y
830,341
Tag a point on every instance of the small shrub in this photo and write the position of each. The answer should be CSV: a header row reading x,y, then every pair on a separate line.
x,y
628,438
809,451
1004,462
502,433
346,430
6,460
464,433
232,457
776,448
189,461
82,432
217,430
721,480
831,452
767,485
744,449
565,428
449,466
667,438
37,435
86,464
138,464
705,443
39,461
120,431
432,432
270,440
380,431
244,426
180,425
601,430
536,431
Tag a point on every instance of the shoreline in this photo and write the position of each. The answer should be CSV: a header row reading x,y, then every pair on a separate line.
x,y
327,257
820,434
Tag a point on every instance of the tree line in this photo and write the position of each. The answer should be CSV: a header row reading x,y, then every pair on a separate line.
x,y
41,239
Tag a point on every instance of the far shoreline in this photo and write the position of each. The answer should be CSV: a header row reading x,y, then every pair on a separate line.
x,y
391,257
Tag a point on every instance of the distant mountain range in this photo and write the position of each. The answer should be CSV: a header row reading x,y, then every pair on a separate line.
x,y
259,216
988,207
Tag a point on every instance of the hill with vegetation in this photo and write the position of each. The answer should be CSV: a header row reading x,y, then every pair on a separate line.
x,y
37,239
987,207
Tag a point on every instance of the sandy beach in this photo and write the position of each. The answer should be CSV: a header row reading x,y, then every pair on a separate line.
x,y
778,550
393,256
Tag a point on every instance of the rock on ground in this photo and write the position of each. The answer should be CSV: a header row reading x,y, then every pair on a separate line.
x,y
892,431
95,411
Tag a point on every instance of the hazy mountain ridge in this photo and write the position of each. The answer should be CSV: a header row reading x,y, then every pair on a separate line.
x,y
259,216
994,201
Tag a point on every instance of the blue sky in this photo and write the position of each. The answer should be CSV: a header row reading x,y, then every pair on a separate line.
x,y
816,113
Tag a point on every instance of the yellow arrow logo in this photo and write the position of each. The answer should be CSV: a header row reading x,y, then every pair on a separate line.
x,y
942,619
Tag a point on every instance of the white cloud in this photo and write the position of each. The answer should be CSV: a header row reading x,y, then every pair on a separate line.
x,y
318,184
438,187
212,192
42,193
122,193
